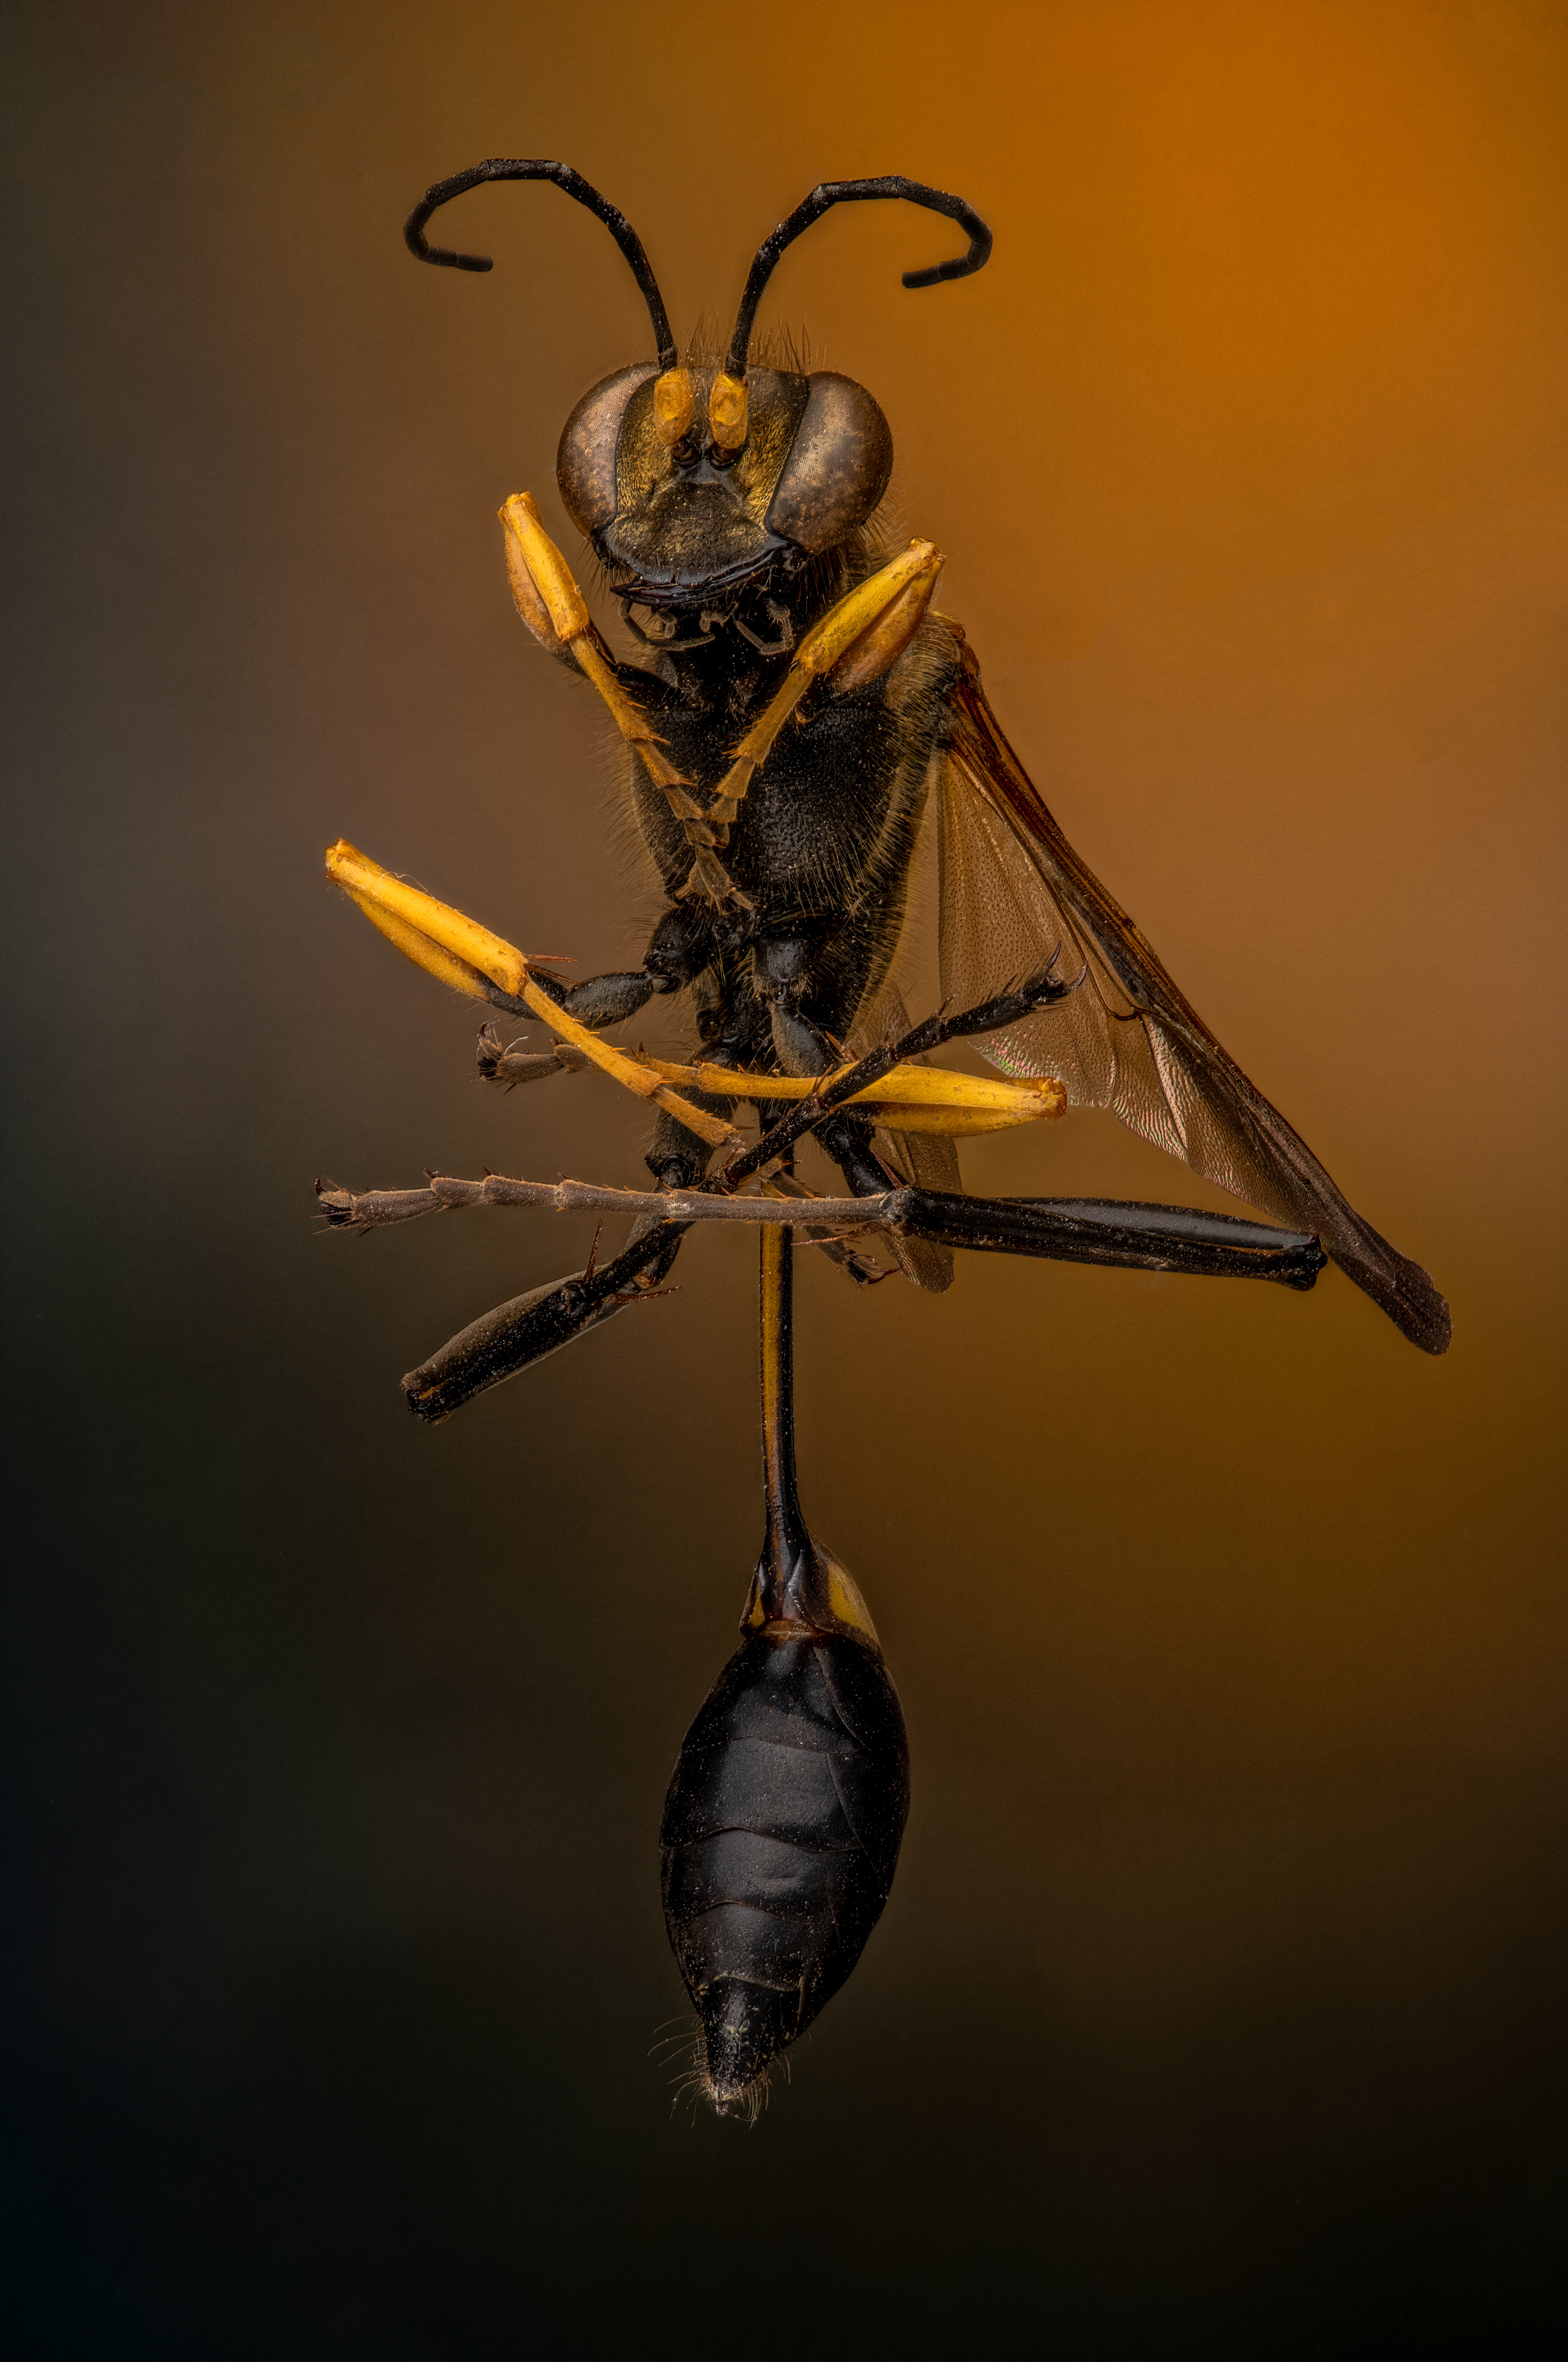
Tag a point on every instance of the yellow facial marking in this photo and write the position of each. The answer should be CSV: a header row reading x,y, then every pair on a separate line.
x,y
674,406
728,413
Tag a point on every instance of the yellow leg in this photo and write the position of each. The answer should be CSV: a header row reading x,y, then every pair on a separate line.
x,y
855,641
555,611
457,951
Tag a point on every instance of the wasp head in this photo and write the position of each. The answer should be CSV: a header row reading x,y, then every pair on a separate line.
x,y
679,517
693,483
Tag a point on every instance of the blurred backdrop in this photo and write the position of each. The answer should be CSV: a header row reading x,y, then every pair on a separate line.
x,y
1218,2007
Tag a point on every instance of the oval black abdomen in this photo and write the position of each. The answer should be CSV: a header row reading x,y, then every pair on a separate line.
x,y
780,1836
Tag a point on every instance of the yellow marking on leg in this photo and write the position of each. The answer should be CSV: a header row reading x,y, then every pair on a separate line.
x,y
862,635
710,880
555,611
725,809
635,727
857,640
547,568
877,649
442,966
526,599
957,1122
458,952
910,1097
860,608
449,929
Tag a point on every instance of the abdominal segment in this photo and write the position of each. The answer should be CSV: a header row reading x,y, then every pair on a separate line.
x,y
780,1836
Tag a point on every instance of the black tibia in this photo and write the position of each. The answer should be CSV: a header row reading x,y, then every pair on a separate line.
x,y
517,1334
785,1814
1114,1230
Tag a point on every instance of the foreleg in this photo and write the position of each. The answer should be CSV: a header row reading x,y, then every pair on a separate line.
x,y
555,611
854,643
681,947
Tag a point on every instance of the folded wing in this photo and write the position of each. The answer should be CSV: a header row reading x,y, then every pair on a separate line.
x,y
1012,892
927,1160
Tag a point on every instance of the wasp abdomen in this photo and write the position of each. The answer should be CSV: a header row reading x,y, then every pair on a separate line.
x,y
780,1836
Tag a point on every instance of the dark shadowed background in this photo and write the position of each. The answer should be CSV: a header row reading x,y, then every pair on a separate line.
x,y
1218,2005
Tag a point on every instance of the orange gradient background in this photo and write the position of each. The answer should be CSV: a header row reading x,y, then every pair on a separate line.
x,y
1218,2006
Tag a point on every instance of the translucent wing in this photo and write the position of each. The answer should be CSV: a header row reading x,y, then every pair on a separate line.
x,y
1012,892
928,1159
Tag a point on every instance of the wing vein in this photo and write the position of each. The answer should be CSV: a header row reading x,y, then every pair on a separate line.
x,y
1013,892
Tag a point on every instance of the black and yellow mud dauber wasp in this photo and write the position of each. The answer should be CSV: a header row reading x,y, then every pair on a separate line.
x,y
797,711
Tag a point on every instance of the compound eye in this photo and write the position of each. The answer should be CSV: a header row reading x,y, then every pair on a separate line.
x,y
585,463
838,466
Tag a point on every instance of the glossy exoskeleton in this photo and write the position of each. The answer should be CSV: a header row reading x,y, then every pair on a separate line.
x,y
779,1839
793,712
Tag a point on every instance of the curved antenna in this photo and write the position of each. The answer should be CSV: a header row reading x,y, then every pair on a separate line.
x,y
840,192
532,168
